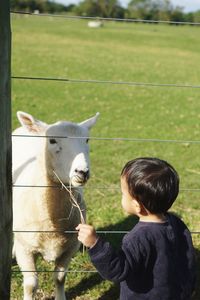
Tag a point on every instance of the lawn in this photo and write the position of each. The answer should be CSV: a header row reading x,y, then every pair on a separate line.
x,y
66,48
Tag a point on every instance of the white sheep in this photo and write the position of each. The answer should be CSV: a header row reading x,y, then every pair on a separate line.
x,y
47,159
95,24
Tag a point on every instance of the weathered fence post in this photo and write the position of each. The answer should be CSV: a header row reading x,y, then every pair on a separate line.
x,y
5,151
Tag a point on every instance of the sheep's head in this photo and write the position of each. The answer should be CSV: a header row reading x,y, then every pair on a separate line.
x,y
65,148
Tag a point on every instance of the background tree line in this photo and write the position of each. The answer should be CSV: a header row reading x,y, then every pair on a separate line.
x,y
136,9
42,6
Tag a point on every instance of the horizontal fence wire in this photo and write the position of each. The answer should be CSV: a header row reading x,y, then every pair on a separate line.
x,y
128,20
71,231
94,81
54,271
111,139
75,232
91,187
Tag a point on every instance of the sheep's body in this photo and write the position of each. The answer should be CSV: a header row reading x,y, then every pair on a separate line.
x,y
46,212
44,209
95,24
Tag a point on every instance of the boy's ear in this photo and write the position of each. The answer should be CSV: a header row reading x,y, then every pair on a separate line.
x,y
137,205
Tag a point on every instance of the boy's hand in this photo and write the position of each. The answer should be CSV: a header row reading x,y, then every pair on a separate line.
x,y
87,235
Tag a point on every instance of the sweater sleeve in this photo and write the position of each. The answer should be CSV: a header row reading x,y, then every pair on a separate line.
x,y
111,265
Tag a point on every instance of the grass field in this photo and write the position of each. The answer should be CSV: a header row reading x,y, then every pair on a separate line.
x,y
55,47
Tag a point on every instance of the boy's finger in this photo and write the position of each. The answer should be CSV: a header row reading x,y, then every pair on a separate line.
x,y
77,227
80,226
83,226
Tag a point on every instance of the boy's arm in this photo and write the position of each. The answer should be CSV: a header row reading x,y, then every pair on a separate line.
x,y
111,265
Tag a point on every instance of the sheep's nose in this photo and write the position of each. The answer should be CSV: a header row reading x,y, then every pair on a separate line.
x,y
83,173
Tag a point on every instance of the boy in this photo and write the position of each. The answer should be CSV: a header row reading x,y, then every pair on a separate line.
x,y
156,260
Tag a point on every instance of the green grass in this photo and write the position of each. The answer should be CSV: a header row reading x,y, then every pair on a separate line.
x,y
53,47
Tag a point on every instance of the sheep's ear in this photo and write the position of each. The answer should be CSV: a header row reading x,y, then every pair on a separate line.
x,y
90,122
30,123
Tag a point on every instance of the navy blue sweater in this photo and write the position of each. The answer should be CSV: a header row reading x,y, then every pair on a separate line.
x,y
156,261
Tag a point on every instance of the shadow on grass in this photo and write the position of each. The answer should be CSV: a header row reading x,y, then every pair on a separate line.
x,y
96,279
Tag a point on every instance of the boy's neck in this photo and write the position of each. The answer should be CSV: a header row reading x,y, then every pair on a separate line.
x,y
156,218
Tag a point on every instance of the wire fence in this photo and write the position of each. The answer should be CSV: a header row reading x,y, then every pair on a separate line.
x,y
91,187
127,20
75,232
89,81
94,81
96,187
112,139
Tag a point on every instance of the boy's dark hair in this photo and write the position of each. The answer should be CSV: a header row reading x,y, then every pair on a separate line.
x,y
152,182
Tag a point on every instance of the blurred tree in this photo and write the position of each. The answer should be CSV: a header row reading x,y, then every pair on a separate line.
x,y
88,8
100,8
139,9
189,17
177,15
196,16
38,5
165,10
155,10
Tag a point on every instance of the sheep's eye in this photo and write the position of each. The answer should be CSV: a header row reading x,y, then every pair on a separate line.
x,y
52,141
87,140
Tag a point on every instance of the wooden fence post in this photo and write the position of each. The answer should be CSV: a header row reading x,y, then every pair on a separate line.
x,y
5,152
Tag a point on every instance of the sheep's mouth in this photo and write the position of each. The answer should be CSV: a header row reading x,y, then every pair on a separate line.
x,y
79,181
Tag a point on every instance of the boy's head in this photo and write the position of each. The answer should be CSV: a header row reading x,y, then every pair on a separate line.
x,y
152,182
